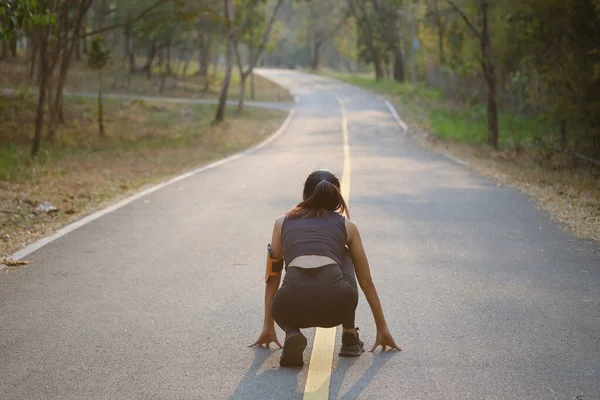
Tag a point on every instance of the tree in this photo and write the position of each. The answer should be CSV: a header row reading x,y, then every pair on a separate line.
x,y
234,33
255,37
388,20
378,36
481,31
325,19
440,21
370,43
98,59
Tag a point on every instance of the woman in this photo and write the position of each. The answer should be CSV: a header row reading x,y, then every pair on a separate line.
x,y
319,288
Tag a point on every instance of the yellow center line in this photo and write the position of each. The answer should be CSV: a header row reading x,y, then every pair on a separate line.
x,y
321,358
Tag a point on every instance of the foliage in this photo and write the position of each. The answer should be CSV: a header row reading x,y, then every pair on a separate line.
x,y
22,14
99,53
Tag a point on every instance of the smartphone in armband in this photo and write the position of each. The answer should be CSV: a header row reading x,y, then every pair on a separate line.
x,y
274,265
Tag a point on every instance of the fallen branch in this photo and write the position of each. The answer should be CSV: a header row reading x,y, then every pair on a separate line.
x,y
580,156
14,263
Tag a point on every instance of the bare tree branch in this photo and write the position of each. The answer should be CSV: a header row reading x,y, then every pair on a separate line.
x,y
332,33
123,25
239,31
465,18
265,38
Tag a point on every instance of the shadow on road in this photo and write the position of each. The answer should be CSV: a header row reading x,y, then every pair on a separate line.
x,y
346,364
271,383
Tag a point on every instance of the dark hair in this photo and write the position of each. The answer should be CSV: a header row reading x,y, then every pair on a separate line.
x,y
321,195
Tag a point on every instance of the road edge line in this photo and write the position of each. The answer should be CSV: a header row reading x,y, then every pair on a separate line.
x,y
394,113
403,125
33,247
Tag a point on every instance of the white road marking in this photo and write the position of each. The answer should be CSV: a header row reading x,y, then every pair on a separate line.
x,y
86,220
405,128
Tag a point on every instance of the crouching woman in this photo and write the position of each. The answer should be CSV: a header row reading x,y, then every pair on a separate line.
x,y
323,255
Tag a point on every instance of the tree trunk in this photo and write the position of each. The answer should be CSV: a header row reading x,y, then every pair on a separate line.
x,y
441,31
33,56
78,50
489,72
43,71
57,115
563,134
205,56
252,91
168,59
399,75
4,50
379,73
243,78
100,108
131,55
441,35
220,115
151,55
85,45
316,56
186,65
492,111
164,72
13,47
129,45
50,128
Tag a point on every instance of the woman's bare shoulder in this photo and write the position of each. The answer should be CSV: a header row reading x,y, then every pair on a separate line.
x,y
279,221
351,229
350,224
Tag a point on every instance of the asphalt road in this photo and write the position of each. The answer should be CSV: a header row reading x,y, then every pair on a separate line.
x,y
158,300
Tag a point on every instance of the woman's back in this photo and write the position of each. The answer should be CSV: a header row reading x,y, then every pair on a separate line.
x,y
304,239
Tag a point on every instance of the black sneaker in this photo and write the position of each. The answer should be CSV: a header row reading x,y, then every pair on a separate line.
x,y
293,347
352,346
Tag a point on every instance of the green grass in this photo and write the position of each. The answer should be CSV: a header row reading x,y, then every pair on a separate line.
x,y
470,126
449,121
386,86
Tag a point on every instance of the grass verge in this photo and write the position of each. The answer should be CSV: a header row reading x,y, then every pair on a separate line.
x,y
80,172
569,194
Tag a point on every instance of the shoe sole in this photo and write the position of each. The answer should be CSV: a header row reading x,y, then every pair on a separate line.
x,y
293,349
354,351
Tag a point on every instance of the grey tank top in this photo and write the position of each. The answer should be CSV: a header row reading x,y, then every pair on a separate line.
x,y
314,236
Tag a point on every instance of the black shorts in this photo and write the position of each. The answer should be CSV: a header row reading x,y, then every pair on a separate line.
x,y
317,297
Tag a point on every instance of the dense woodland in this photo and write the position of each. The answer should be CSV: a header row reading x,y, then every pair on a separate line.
x,y
538,58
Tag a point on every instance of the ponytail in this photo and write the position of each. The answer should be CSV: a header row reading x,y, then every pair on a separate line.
x,y
325,198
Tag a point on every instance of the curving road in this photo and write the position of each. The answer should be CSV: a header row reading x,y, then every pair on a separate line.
x,y
158,299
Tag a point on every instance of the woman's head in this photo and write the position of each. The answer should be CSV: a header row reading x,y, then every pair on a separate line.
x,y
321,194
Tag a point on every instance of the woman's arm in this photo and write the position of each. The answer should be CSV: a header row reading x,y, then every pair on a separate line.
x,y
268,334
363,274
273,282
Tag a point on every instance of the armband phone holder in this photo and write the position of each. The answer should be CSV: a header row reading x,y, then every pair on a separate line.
x,y
274,265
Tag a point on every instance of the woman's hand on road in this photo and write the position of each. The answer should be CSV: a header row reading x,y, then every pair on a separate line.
x,y
385,339
267,336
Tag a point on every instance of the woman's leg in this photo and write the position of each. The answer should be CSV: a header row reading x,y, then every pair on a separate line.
x,y
350,293
286,308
